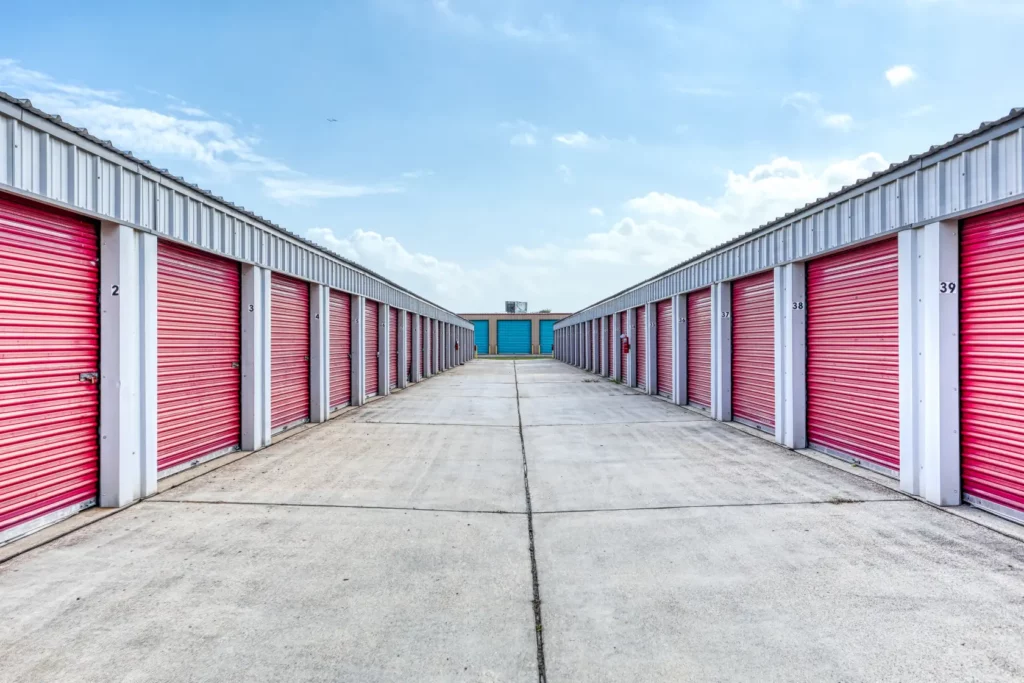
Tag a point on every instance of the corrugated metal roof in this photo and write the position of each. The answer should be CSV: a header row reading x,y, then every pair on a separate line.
x,y
789,217
109,146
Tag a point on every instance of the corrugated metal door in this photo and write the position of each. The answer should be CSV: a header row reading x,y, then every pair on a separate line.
x,y
753,349
853,353
623,354
992,358
392,346
514,336
289,351
641,347
698,347
341,349
424,331
664,339
199,355
547,336
408,346
372,364
481,336
611,345
49,338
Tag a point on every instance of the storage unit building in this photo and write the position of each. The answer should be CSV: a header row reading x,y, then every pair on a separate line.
x,y
199,340
698,348
289,353
49,364
853,354
753,350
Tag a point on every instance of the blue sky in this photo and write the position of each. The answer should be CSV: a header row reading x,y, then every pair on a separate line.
x,y
551,151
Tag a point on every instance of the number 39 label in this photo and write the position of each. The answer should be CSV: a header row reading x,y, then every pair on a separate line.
x,y
947,287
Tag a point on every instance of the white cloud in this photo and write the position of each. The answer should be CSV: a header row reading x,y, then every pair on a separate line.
x,y
810,105
299,190
900,75
189,111
658,231
523,140
577,139
596,212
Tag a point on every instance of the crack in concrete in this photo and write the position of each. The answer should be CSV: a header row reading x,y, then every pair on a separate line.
x,y
705,506
538,622
332,506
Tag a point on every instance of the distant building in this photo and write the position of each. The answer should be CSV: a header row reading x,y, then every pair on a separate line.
x,y
514,333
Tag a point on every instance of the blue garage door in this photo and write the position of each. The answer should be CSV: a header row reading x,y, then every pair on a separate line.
x,y
514,336
481,336
547,335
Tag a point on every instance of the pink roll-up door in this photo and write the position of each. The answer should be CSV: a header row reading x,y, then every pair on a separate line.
x,y
372,362
341,349
199,355
623,354
423,347
853,353
289,351
992,358
408,346
641,347
753,349
49,363
392,346
698,348
664,347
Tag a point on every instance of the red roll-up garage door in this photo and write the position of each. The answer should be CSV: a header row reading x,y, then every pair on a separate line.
x,y
408,347
623,355
664,346
341,349
853,353
992,358
641,347
199,355
372,330
423,347
392,346
49,339
753,349
611,347
289,352
698,348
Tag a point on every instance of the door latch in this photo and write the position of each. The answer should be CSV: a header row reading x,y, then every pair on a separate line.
x,y
235,364
90,377
305,357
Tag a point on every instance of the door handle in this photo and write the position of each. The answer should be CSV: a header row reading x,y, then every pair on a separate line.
x,y
90,377
236,364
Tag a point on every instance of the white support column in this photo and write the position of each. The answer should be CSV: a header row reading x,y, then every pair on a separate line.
x,y
127,365
447,346
403,349
595,346
319,353
679,350
603,347
358,350
721,351
631,356
427,347
588,345
791,355
383,350
929,362
651,341
255,357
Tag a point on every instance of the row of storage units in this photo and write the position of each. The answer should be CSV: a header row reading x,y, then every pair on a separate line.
x,y
904,354
235,355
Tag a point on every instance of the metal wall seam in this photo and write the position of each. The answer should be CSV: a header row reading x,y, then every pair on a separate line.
x,y
979,171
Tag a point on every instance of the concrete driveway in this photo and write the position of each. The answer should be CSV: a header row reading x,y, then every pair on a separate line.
x,y
393,544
